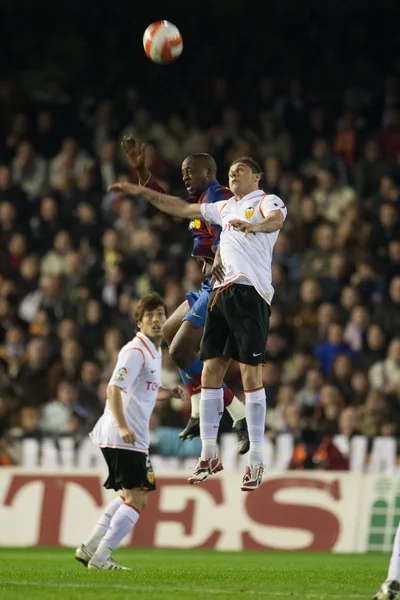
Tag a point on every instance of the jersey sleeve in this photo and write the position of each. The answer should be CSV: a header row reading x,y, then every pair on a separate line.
x,y
152,184
212,212
270,203
129,364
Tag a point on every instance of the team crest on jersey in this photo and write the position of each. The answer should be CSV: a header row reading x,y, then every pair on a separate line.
x,y
249,212
195,224
122,374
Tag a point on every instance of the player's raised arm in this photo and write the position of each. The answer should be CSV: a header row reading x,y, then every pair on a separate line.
x,y
168,204
135,153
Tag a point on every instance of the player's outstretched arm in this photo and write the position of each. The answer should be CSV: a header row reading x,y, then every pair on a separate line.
x,y
272,222
168,204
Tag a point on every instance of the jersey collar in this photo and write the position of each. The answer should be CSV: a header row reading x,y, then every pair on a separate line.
x,y
148,344
253,195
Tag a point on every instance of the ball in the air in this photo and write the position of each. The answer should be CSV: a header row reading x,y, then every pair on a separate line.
x,y
162,42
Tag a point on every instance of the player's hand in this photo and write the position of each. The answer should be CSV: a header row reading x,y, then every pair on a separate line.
x,y
218,270
126,435
244,227
134,151
131,189
177,392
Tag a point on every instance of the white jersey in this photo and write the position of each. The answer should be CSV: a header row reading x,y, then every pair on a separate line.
x,y
138,375
246,260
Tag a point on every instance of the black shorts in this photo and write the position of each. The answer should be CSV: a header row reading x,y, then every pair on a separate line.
x,y
236,325
129,470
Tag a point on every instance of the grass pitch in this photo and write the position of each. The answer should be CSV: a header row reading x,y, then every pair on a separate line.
x,y
52,573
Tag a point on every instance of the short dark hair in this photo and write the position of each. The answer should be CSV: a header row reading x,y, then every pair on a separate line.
x,y
207,160
254,166
148,303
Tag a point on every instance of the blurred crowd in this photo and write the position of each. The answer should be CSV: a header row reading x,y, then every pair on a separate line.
x,y
74,258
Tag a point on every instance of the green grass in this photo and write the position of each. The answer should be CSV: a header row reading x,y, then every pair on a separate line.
x,y
176,575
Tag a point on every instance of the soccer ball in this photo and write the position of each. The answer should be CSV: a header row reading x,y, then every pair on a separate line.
x,y
162,42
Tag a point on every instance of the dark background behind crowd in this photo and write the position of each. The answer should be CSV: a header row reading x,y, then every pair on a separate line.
x,y
312,92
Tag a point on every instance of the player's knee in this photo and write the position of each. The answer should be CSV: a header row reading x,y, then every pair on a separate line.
x,y
179,355
212,374
137,499
251,377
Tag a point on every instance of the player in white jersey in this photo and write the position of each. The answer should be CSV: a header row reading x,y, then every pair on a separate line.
x,y
238,311
122,433
390,589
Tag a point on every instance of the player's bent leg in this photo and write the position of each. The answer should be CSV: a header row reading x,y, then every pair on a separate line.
x,y
121,524
211,410
173,323
185,346
390,589
184,351
256,408
84,552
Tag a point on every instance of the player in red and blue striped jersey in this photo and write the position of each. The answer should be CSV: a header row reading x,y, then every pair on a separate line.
x,y
184,329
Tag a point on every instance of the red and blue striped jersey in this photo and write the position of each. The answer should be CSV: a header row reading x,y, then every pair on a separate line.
x,y
205,235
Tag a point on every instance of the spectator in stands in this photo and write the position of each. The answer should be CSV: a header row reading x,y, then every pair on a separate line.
x,y
13,350
386,229
57,415
352,232
387,315
368,170
70,161
327,351
29,171
356,327
316,259
285,257
385,374
393,267
33,375
372,413
331,196
67,367
309,394
335,279
53,263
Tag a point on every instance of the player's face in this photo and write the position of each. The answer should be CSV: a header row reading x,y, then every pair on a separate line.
x,y
152,322
195,177
242,180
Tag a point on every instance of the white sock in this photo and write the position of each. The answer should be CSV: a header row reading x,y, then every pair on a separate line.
x,y
195,401
121,524
256,410
103,524
394,567
236,410
211,410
